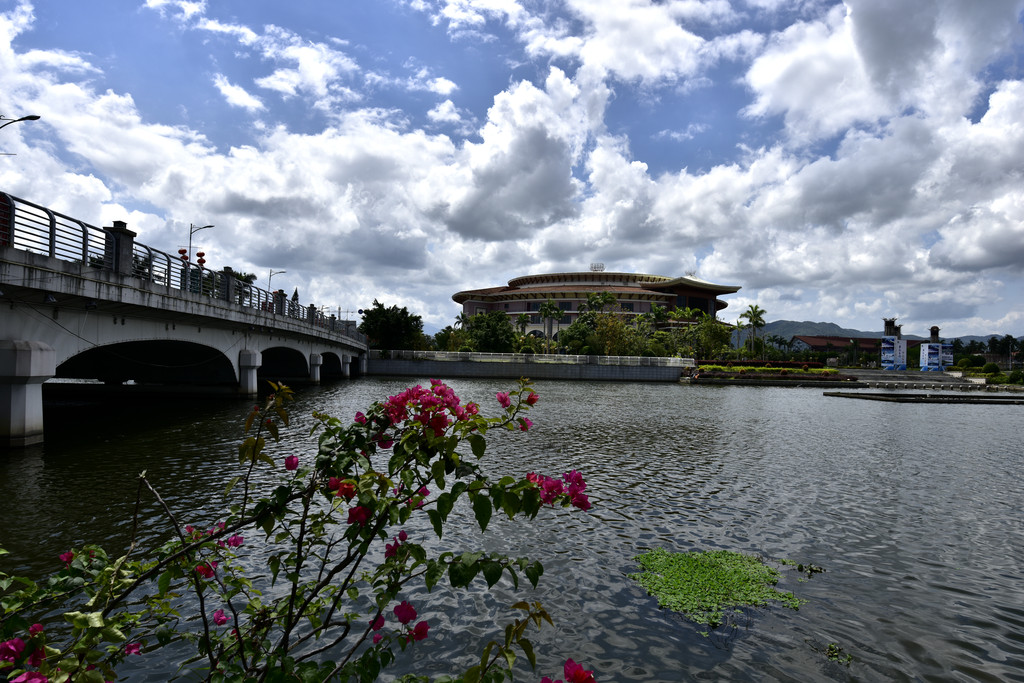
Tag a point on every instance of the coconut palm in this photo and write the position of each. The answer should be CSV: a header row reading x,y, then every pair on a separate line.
x,y
549,310
754,316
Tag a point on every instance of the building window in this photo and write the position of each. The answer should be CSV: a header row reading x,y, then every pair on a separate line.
x,y
480,310
565,305
506,307
626,306
534,306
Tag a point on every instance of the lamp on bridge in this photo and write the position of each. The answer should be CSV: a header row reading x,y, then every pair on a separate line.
x,y
192,229
270,278
31,117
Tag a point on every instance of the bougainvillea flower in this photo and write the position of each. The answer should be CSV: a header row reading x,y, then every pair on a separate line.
x,y
67,557
291,462
574,673
133,649
378,623
235,541
35,629
531,398
419,632
347,490
11,649
206,570
31,677
503,399
405,612
358,515
220,618
360,418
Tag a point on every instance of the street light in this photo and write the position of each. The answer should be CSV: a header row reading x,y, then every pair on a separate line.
x,y
31,117
193,229
270,278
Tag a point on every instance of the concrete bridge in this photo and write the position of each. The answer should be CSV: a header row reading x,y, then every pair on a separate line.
x,y
81,302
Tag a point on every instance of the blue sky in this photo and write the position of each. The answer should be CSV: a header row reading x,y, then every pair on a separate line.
x,y
842,162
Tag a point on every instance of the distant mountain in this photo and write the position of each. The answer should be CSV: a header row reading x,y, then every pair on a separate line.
x,y
788,329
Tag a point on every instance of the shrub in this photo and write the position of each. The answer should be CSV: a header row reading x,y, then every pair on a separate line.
x,y
332,569
963,363
990,369
1016,377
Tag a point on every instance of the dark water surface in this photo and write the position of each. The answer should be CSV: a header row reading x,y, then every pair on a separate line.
x,y
914,511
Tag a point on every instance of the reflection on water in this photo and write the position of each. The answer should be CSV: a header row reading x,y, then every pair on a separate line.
x,y
913,510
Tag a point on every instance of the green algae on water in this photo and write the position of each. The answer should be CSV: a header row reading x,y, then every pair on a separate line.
x,y
703,585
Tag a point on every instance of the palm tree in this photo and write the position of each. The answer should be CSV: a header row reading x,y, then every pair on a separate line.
x,y
461,321
522,322
754,316
549,310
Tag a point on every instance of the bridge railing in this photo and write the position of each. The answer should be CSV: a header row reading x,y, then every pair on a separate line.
x,y
30,227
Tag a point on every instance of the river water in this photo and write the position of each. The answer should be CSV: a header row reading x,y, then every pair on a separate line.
x,y
914,511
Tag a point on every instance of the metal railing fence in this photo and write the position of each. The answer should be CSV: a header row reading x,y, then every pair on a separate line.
x,y
30,227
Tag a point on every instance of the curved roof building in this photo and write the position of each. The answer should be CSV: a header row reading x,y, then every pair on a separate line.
x,y
635,293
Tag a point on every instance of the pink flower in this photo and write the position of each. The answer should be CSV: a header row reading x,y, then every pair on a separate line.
x,y
531,398
31,677
574,673
235,541
36,658
360,418
67,557
291,462
581,501
358,515
378,623
503,399
377,637
402,536
391,549
12,649
206,570
525,423
405,612
133,649
419,632
347,490
548,680
220,618
35,629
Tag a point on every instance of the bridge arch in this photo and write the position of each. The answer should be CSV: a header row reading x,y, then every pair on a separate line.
x,y
283,364
155,361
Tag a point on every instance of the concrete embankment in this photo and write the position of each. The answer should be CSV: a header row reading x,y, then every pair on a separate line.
x,y
641,372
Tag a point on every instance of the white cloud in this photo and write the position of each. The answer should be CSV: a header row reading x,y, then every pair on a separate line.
x,y
236,95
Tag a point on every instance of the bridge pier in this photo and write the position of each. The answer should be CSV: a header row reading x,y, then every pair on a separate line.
x,y
24,366
346,366
315,361
249,363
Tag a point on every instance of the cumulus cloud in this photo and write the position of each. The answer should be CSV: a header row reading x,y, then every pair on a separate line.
x,y
873,164
236,95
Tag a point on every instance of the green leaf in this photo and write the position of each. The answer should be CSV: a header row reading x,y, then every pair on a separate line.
x,y
482,510
527,647
460,574
164,583
533,572
437,472
478,444
435,519
231,485
492,572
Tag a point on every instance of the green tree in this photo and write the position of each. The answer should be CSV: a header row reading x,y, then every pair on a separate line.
x,y
754,315
492,332
392,327
522,322
549,311
597,302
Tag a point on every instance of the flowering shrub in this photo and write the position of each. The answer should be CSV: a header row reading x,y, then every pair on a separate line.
x,y
328,602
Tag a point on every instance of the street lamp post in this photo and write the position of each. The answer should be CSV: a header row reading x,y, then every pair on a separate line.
x,y
31,117
270,278
193,229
